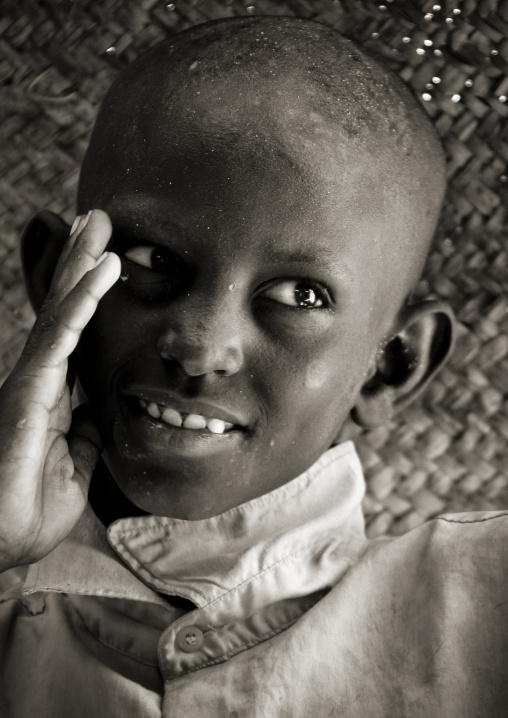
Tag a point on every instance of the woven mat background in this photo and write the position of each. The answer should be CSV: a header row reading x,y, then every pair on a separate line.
x,y
449,451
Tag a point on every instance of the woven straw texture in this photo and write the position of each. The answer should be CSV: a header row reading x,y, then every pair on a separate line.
x,y
447,452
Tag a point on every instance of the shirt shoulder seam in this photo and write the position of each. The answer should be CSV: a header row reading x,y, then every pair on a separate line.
x,y
19,601
473,521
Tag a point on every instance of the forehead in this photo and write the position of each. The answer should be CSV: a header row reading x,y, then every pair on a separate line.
x,y
229,148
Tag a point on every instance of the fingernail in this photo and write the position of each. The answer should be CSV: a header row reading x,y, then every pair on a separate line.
x,y
101,259
75,225
87,217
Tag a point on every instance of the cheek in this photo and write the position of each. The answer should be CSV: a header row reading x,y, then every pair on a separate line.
x,y
107,340
328,380
308,381
326,388
317,375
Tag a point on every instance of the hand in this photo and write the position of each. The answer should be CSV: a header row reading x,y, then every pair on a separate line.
x,y
47,454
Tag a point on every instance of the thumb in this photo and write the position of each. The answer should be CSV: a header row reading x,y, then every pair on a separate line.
x,y
85,445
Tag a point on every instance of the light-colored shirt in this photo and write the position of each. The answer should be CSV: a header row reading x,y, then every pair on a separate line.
x,y
297,614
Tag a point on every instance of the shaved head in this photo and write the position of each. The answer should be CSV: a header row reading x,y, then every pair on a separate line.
x,y
313,97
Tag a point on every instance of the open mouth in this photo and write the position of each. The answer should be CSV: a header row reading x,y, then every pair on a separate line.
x,y
194,422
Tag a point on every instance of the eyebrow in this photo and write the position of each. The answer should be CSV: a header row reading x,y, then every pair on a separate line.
x,y
130,207
297,256
321,256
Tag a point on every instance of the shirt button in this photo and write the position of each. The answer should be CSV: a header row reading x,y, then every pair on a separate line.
x,y
189,639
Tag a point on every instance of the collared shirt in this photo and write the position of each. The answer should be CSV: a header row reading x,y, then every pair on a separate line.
x,y
296,613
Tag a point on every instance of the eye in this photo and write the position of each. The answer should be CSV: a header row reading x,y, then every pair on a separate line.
x,y
157,258
296,293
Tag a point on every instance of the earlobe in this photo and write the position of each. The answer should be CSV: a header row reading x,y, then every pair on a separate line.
x,y
406,363
42,241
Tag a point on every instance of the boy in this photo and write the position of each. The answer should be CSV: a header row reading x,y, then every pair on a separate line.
x,y
266,193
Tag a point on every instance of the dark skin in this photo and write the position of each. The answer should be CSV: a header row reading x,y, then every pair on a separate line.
x,y
279,304
225,312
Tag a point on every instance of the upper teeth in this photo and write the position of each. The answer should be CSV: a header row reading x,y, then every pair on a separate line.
x,y
188,421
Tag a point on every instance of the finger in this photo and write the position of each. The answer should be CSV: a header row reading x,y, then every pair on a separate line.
x,y
92,237
77,227
85,445
56,335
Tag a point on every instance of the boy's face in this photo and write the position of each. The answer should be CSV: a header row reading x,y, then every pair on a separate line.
x,y
274,278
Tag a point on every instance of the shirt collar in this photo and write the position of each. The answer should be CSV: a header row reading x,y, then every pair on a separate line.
x,y
295,540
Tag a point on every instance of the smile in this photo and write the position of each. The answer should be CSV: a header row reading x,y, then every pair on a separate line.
x,y
169,415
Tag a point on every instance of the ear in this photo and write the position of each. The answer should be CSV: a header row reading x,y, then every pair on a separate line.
x,y
406,363
42,241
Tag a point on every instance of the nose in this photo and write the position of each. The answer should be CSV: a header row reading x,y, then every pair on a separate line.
x,y
203,339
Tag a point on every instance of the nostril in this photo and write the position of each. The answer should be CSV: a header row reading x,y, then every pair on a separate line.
x,y
200,357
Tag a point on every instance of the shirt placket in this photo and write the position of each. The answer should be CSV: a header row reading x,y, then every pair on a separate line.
x,y
196,641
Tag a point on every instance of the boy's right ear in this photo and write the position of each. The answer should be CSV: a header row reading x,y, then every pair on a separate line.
x,y
42,242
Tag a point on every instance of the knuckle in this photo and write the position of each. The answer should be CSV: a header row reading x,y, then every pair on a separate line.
x,y
89,293
79,250
69,328
47,321
48,301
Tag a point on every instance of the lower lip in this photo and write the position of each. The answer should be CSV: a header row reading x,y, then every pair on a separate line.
x,y
151,435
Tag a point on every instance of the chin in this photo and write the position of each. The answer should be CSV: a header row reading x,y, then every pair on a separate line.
x,y
175,496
